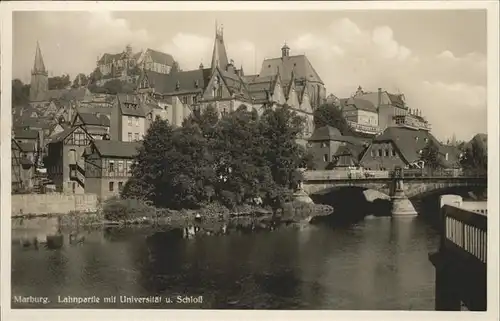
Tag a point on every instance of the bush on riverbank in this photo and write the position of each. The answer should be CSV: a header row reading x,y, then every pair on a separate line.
x,y
120,210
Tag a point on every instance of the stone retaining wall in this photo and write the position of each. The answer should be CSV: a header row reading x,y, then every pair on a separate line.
x,y
53,203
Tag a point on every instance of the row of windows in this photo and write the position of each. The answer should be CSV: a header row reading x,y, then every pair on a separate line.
x,y
79,139
111,186
189,99
383,152
119,167
134,137
136,121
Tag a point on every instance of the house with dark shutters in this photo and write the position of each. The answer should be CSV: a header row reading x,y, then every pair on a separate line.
x,y
108,166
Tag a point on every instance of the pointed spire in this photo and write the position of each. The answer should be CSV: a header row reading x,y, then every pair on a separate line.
x,y
39,66
219,55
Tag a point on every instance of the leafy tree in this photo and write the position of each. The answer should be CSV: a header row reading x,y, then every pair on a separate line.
x,y
280,128
148,167
331,115
475,154
241,163
20,93
231,160
190,174
95,76
431,156
59,82
80,80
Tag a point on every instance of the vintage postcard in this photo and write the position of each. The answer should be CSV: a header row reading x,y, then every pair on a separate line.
x,y
166,160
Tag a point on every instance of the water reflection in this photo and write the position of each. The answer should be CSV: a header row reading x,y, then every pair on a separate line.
x,y
375,263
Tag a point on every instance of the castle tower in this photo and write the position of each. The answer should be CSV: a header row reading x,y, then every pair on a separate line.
x,y
39,77
219,55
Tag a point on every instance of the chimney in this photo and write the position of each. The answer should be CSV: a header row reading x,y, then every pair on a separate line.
x,y
379,97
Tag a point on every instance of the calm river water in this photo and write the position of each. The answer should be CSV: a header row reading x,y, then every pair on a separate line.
x,y
376,263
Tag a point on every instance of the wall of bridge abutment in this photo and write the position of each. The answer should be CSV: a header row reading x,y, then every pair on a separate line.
x,y
402,207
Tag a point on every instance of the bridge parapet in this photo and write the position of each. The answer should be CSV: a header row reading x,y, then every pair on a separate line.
x,y
461,260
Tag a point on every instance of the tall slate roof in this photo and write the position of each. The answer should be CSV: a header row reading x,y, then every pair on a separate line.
x,y
161,57
25,134
39,66
93,119
300,65
119,149
180,82
130,105
408,141
360,104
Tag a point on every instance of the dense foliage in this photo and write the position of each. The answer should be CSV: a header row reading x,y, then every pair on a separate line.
x,y
20,93
113,87
59,82
80,80
237,159
431,156
475,154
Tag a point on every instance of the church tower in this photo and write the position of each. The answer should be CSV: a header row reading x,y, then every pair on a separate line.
x,y
39,78
219,55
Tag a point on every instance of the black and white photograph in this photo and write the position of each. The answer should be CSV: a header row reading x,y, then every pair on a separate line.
x,y
227,157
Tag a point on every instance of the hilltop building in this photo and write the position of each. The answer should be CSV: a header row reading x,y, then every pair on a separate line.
x,y
119,64
289,81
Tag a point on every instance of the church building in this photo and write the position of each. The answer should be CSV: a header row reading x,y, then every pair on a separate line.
x,y
227,88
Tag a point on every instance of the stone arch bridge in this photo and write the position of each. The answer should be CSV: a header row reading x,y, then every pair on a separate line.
x,y
399,189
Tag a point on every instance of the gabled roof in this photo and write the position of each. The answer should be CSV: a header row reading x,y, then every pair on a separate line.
x,y
109,58
119,149
260,88
59,137
130,105
354,151
25,134
31,122
235,84
408,141
300,65
333,134
188,81
396,100
161,57
360,104
325,133
93,119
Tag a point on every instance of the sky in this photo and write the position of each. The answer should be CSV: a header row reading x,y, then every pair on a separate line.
x,y
436,58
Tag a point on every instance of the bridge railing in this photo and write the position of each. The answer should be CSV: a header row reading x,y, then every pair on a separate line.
x,y
464,233
446,172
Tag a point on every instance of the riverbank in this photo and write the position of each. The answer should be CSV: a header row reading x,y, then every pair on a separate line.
x,y
127,212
